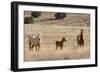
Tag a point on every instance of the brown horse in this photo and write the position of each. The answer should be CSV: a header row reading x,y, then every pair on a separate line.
x,y
60,43
80,40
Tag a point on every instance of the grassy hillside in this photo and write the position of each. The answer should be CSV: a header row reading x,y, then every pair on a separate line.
x,y
52,30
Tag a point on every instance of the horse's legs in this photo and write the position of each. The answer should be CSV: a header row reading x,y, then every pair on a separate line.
x,y
38,47
56,47
32,47
61,47
29,46
81,42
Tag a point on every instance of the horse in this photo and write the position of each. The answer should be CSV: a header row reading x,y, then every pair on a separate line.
x,y
60,43
34,41
80,40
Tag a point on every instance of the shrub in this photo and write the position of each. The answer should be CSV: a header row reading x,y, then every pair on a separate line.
x,y
60,15
28,20
35,14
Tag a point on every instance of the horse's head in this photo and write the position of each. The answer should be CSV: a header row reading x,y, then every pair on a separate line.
x,y
82,30
63,39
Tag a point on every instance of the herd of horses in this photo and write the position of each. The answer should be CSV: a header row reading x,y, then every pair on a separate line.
x,y
34,41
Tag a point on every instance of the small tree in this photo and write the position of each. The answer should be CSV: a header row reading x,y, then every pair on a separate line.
x,y
60,15
35,14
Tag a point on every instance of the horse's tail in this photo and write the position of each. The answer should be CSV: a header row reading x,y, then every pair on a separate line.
x,y
78,37
56,44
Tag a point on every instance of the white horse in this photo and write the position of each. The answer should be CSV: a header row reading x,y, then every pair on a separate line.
x,y
34,41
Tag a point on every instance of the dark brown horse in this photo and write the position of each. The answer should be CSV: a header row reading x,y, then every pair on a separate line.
x,y
80,40
60,43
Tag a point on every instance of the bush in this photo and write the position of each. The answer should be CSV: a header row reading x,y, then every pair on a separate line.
x,y
35,14
28,20
60,15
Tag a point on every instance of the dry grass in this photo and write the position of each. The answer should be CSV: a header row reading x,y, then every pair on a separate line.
x,y
52,30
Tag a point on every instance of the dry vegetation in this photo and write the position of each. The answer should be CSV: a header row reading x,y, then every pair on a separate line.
x,y
52,30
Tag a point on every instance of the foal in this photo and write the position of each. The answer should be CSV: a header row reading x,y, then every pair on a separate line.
x,y
60,43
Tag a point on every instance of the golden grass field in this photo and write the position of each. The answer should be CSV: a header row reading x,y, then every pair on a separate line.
x,y
53,30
